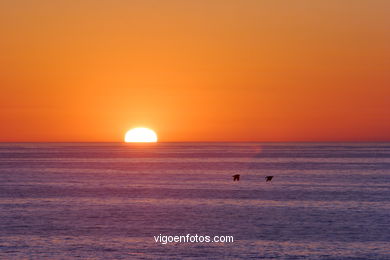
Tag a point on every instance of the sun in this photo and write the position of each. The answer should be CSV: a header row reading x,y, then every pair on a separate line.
x,y
140,135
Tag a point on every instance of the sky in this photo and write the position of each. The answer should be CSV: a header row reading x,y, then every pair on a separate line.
x,y
201,70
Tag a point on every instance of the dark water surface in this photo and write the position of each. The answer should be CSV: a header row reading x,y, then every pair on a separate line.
x,y
109,200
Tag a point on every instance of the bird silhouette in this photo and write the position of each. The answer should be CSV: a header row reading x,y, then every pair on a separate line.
x,y
236,177
268,178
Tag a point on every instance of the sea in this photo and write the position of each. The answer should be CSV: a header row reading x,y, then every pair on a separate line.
x,y
120,201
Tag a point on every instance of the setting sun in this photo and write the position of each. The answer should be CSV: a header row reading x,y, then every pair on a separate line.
x,y
140,135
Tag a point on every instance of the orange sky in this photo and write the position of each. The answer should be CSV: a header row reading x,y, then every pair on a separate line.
x,y
195,70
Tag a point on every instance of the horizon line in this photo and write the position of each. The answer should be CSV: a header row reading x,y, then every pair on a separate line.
x,y
314,141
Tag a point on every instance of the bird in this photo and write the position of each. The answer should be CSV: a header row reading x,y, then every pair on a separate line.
x,y
268,178
236,177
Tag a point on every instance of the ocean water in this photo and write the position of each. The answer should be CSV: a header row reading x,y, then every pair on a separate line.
x,y
109,200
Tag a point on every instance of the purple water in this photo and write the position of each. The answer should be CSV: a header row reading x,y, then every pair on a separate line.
x,y
109,200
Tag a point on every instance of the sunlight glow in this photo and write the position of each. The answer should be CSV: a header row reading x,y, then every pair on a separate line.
x,y
140,135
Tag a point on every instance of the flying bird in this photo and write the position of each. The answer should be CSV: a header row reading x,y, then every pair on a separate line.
x,y
268,178
236,177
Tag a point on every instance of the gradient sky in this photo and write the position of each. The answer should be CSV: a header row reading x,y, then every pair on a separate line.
x,y
199,70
